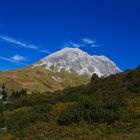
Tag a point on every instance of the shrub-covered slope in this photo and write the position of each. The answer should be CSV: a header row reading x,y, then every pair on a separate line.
x,y
105,109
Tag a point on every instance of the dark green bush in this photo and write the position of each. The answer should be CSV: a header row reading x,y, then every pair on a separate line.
x,y
22,118
2,120
94,77
93,109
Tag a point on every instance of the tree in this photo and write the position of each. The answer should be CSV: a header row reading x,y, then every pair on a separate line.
x,y
94,77
17,94
23,92
2,121
14,94
3,93
3,87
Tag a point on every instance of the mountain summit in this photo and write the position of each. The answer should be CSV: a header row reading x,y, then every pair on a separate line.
x,y
78,61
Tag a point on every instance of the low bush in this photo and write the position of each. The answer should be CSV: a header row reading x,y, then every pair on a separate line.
x,y
19,119
93,109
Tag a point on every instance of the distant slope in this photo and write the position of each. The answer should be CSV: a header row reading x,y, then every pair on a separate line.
x,y
40,79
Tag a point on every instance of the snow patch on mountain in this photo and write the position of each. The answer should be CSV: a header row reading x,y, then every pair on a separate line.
x,y
78,61
58,79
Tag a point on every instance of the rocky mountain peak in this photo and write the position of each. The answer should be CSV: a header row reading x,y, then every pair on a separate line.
x,y
78,61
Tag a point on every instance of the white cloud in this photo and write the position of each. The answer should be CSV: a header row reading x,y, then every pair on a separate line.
x,y
90,42
94,46
17,42
85,42
6,59
18,58
15,59
75,45
45,51
71,44
22,44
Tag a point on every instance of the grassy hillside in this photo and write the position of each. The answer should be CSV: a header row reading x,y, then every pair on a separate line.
x,y
40,79
105,109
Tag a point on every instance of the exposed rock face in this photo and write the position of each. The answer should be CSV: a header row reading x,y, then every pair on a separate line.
x,y
78,61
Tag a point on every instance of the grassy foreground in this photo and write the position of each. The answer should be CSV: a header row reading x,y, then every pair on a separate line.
x,y
105,109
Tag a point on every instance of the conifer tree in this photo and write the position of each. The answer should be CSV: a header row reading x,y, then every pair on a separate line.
x,y
94,77
1,115
4,94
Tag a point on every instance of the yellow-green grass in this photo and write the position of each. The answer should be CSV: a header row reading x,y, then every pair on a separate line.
x,y
40,80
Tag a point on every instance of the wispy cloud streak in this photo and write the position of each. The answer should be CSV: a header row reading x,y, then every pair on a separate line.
x,y
86,42
90,42
17,42
7,59
22,44
45,51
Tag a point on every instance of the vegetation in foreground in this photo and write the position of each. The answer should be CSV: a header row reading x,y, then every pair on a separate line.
x,y
105,109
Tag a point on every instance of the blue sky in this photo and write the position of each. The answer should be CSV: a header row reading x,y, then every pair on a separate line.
x,y
32,29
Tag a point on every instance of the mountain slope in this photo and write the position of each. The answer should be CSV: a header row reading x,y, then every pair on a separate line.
x,y
68,67
40,80
106,109
78,61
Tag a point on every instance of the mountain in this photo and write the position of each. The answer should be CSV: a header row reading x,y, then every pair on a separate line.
x,y
68,67
78,61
